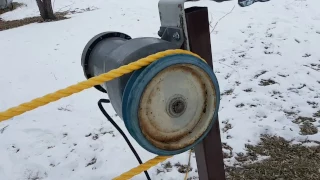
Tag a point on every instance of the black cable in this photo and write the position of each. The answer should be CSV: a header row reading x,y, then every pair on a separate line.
x,y
120,131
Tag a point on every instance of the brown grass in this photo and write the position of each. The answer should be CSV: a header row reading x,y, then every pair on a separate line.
x,y
306,125
286,161
5,25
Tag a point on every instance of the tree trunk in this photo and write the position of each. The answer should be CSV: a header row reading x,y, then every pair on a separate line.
x,y
48,7
45,8
4,4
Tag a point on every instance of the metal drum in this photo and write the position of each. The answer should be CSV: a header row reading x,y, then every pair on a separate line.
x,y
167,107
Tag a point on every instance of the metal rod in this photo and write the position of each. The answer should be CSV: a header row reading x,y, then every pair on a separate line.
x,y
209,152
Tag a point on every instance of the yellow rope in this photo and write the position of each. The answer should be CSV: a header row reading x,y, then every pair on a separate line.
x,y
126,69
147,165
142,167
38,102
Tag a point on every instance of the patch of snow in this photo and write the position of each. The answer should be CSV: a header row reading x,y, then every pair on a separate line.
x,y
310,144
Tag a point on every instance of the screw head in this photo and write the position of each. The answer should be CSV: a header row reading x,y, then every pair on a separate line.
x,y
176,36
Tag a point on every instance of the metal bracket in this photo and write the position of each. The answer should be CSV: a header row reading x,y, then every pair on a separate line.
x,y
174,35
173,22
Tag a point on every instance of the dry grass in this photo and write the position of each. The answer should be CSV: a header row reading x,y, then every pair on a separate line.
x,y
317,114
306,125
267,82
307,128
287,161
5,25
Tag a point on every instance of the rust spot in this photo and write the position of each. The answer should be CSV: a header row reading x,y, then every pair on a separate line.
x,y
204,109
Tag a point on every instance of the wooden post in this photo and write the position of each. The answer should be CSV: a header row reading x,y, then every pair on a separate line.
x,y
209,152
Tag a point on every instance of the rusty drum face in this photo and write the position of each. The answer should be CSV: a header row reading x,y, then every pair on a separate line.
x,y
177,106
171,104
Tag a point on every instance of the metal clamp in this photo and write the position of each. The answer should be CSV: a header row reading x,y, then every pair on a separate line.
x,y
173,22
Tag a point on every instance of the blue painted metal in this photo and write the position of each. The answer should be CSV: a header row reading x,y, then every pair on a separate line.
x,y
135,88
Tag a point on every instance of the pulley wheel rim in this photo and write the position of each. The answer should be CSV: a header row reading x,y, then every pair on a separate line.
x,y
135,93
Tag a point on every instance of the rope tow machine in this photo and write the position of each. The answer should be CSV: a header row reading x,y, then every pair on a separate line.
x,y
167,97
169,106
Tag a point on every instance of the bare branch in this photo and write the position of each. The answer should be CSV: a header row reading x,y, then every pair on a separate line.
x,y
221,19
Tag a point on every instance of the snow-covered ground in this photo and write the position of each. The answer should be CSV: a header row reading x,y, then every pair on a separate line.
x,y
274,43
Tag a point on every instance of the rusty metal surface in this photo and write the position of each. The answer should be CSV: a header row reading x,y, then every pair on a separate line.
x,y
208,153
174,112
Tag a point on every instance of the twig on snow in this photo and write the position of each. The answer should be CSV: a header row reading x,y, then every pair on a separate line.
x,y
214,27
2,129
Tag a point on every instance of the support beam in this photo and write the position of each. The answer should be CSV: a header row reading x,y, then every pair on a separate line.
x,y
209,152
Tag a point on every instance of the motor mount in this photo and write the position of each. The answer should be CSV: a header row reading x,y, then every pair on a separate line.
x,y
167,107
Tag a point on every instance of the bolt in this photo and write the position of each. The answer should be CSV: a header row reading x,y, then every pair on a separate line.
x,y
176,106
176,36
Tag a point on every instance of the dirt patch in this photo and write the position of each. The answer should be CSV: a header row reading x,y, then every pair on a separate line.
x,y
267,82
313,104
317,114
226,147
166,167
313,66
227,92
5,25
93,161
248,90
227,126
276,94
14,6
286,161
240,105
307,128
302,119
260,73
77,10
183,168
306,55
290,113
